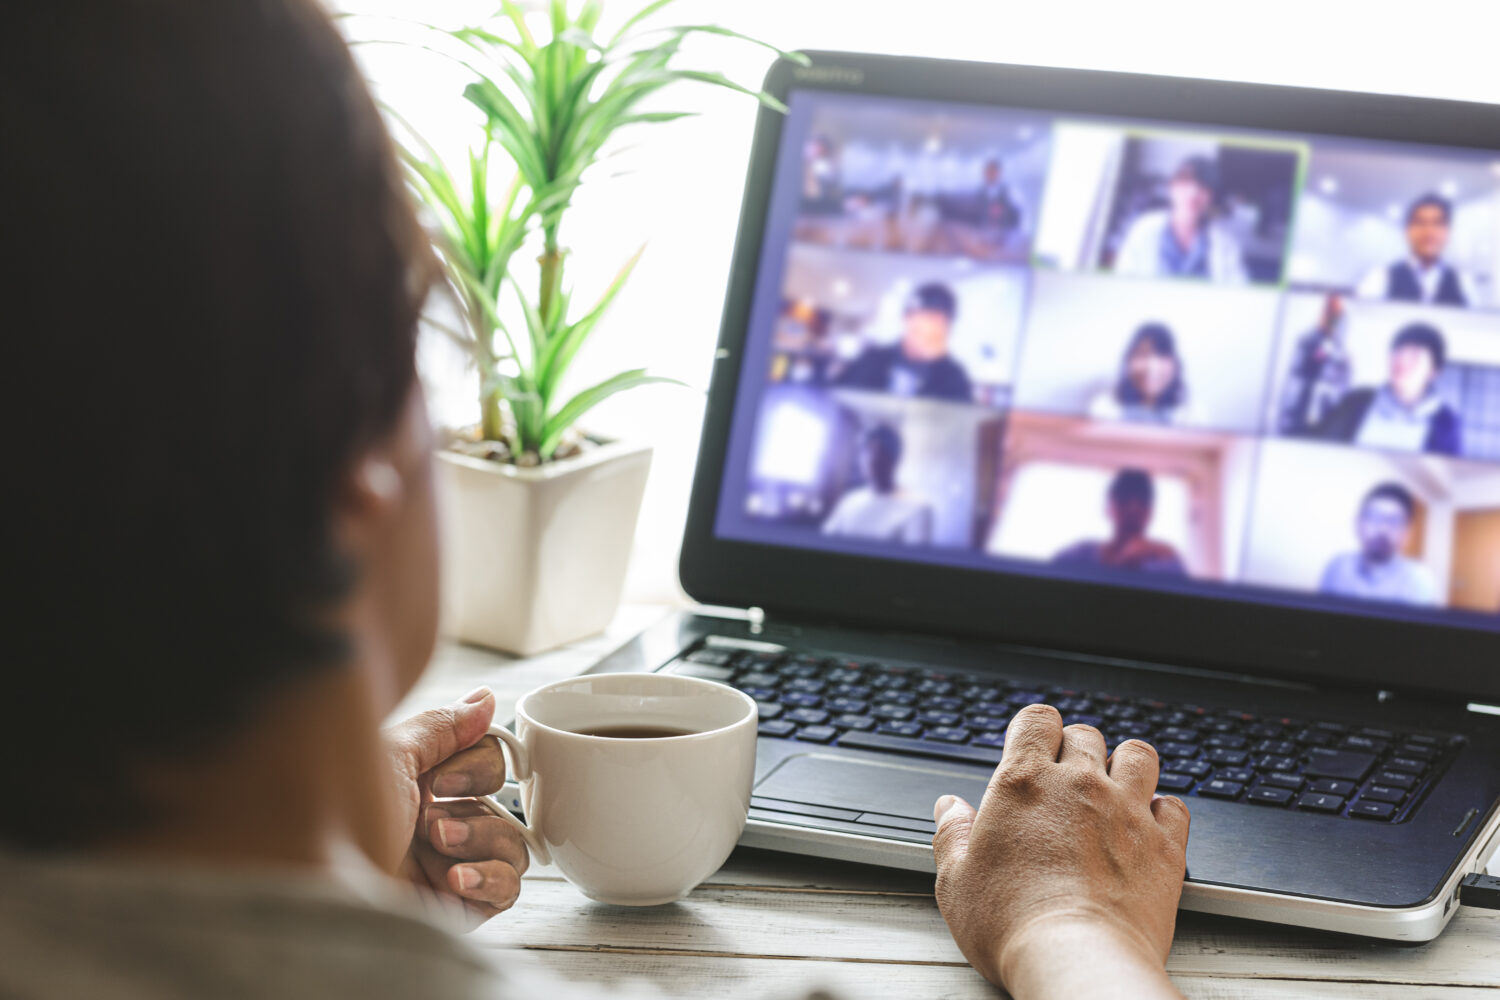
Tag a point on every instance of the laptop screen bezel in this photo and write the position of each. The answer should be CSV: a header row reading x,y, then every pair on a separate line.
x,y
1324,647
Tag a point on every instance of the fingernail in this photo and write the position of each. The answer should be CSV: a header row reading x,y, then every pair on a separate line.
x,y
477,695
452,832
449,785
469,878
942,805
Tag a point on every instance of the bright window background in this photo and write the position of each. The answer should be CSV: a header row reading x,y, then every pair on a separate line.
x,y
682,194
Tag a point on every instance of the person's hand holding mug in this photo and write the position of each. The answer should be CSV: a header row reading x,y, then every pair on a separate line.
x,y
458,847
1065,882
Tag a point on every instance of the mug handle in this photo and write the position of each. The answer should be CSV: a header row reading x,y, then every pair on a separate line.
x,y
520,770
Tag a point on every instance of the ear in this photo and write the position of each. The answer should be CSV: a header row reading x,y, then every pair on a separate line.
x,y
371,487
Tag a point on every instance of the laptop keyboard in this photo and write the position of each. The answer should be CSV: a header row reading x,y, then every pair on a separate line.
x,y
1314,765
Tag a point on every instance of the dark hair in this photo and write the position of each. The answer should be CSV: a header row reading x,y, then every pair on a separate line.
x,y
933,297
213,276
887,439
1201,170
1430,200
1159,337
1392,491
1132,484
1425,336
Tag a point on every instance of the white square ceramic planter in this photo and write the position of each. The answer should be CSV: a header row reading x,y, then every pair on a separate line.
x,y
536,558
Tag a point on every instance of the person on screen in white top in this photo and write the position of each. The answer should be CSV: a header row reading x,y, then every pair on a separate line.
x,y
880,510
1151,387
1422,276
1378,571
1186,239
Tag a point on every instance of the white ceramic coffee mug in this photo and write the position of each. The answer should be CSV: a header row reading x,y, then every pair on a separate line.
x,y
633,821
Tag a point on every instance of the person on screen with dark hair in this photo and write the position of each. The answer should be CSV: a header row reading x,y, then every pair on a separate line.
x,y
880,510
1186,239
1378,571
1151,387
1405,414
1132,499
919,365
1422,276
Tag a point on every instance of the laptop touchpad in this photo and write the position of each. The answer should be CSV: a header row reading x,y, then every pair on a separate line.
x,y
878,793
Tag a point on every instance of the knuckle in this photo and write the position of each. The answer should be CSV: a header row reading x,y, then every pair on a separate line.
x,y
1136,748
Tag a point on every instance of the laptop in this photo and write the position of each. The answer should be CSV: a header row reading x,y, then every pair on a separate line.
x,y
1174,404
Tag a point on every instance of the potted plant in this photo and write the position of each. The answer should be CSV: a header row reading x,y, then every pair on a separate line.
x,y
539,515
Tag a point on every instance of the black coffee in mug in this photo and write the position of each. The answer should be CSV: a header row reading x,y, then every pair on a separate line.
x,y
629,732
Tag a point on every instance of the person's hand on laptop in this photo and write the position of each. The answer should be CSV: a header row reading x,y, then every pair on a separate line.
x,y
1065,882
457,848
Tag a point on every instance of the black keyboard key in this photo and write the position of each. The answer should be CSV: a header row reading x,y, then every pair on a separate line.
x,y
896,713
1265,731
1179,733
996,740
1131,730
711,657
902,729
1281,779
762,694
777,727
1379,734
796,699
1229,741
1083,719
1366,809
1121,712
852,706
807,716
1366,743
934,688
767,710
851,721
1314,738
1282,748
939,718
1382,793
1406,765
1316,802
1272,762
805,686
943,704
948,734
1232,758
1426,739
1415,751
1269,795
860,691
1332,786
1169,782
1331,727
844,675
1196,768
991,722
887,682
1071,705
971,753
1173,748
1001,708
1239,775
757,679
801,671
1020,699
817,734
1351,765
1216,789
896,698
975,692
1395,779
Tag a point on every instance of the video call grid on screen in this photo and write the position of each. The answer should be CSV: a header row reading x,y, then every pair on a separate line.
x,y
1150,354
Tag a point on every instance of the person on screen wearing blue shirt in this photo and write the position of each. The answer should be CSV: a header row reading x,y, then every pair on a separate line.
x,y
1151,387
1405,414
1422,276
1186,239
880,510
1132,497
1378,571
919,365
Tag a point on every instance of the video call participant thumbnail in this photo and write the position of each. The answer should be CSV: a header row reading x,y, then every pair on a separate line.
x,y
880,510
919,365
1186,239
1378,571
1422,276
1320,373
1405,414
1151,387
1131,501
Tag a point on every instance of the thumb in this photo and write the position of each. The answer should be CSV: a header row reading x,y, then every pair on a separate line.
x,y
955,818
432,737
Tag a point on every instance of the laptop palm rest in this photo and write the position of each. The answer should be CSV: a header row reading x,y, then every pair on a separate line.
x,y
894,796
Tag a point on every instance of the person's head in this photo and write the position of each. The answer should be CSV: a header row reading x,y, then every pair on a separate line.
x,y
1418,354
1193,190
1429,220
1131,498
993,171
226,495
879,455
929,322
1384,523
1151,370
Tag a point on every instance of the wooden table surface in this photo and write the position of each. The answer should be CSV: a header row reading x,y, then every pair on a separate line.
x,y
770,925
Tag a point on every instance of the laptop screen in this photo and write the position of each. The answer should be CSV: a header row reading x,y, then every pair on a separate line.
x,y
1255,366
